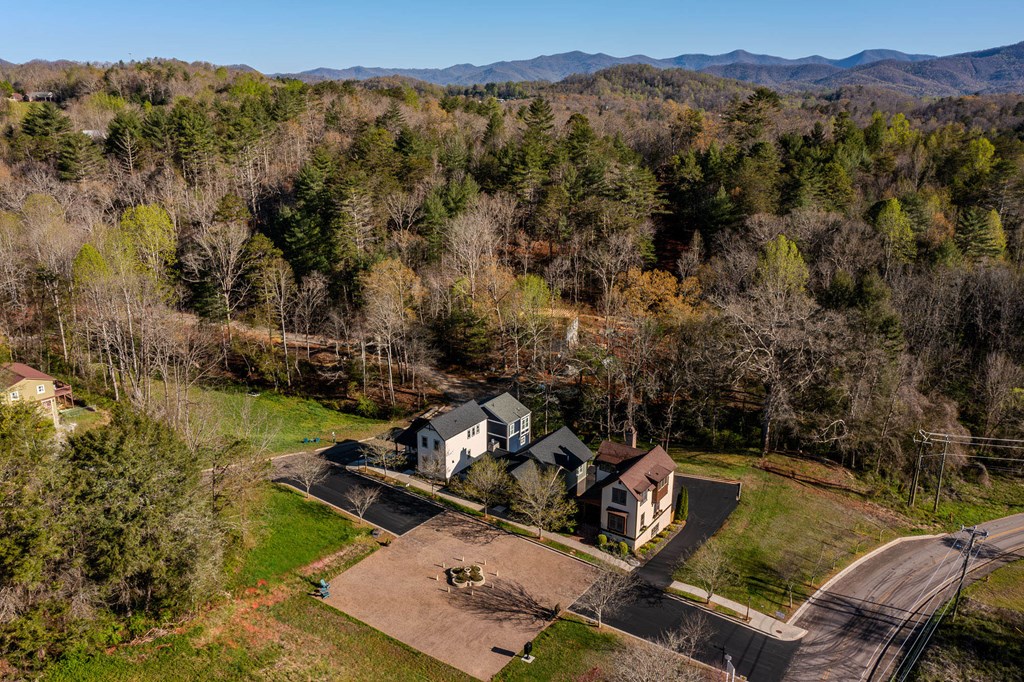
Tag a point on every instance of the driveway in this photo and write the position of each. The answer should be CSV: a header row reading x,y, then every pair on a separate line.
x,y
711,503
395,511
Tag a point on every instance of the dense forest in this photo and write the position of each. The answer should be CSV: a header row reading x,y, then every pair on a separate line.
x,y
673,253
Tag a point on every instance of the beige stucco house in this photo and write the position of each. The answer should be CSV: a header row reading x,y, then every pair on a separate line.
x,y
637,499
21,383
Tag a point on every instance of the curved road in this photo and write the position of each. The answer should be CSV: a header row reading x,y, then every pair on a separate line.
x,y
859,625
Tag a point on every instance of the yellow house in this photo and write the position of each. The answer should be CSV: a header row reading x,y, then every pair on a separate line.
x,y
21,383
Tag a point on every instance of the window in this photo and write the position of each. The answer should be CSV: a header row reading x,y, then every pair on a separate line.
x,y
643,519
526,423
654,531
617,523
522,439
437,446
618,496
14,395
423,441
40,389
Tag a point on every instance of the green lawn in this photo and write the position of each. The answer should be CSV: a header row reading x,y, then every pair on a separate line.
x,y
286,419
986,641
786,532
276,633
293,532
567,650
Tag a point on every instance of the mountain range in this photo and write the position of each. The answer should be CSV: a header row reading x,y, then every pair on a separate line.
x,y
987,71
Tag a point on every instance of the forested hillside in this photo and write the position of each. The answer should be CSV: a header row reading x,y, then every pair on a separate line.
x,y
823,273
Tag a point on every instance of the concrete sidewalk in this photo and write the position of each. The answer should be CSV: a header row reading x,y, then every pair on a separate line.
x,y
414,482
769,625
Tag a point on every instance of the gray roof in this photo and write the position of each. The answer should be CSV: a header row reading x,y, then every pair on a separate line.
x,y
562,448
458,420
505,408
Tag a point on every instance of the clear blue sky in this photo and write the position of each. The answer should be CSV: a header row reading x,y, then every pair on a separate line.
x,y
280,35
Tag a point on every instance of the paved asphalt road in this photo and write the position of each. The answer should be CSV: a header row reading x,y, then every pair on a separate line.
x,y
860,624
758,657
395,511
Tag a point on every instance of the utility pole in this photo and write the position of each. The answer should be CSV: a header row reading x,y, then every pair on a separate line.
x,y
917,475
942,469
975,533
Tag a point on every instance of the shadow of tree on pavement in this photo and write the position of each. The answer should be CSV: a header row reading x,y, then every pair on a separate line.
x,y
503,600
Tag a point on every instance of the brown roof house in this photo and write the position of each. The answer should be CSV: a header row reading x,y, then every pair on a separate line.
x,y
21,383
637,491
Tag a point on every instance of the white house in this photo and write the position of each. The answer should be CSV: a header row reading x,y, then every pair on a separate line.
x,y
508,423
637,502
449,443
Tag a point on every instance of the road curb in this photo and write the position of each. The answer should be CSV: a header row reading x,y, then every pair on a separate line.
x,y
699,664
838,576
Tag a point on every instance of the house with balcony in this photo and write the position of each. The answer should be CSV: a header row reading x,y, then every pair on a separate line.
x,y
21,383
508,423
633,494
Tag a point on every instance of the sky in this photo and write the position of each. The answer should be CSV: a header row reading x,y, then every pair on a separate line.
x,y
289,36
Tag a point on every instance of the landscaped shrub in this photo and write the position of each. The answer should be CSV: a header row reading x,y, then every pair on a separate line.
x,y
602,540
623,549
683,506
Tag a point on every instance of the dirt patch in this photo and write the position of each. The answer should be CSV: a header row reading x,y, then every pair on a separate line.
x,y
402,590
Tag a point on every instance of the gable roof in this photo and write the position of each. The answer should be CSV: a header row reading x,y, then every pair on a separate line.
x,y
617,453
562,448
647,472
505,408
408,436
13,372
458,420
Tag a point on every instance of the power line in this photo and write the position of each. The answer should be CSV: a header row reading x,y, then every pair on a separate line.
x,y
934,622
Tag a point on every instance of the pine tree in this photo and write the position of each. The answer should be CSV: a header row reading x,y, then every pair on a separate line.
x,y
979,234
78,158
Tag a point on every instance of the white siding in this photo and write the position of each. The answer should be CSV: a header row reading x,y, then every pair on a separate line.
x,y
459,451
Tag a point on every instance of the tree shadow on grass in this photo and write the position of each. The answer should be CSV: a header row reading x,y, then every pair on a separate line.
x,y
503,601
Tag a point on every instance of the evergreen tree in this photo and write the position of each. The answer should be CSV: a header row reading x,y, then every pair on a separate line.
x,y
979,234
78,158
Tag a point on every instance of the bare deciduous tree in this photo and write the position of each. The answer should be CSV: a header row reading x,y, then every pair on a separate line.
x,y
711,568
361,498
309,468
608,594
540,497
665,660
487,481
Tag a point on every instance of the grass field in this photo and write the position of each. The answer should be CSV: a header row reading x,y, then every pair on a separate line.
x,y
287,419
786,533
986,641
568,650
293,532
277,632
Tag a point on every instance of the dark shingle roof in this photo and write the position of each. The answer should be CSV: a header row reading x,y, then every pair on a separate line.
x,y
617,453
408,437
505,408
646,472
562,448
458,420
